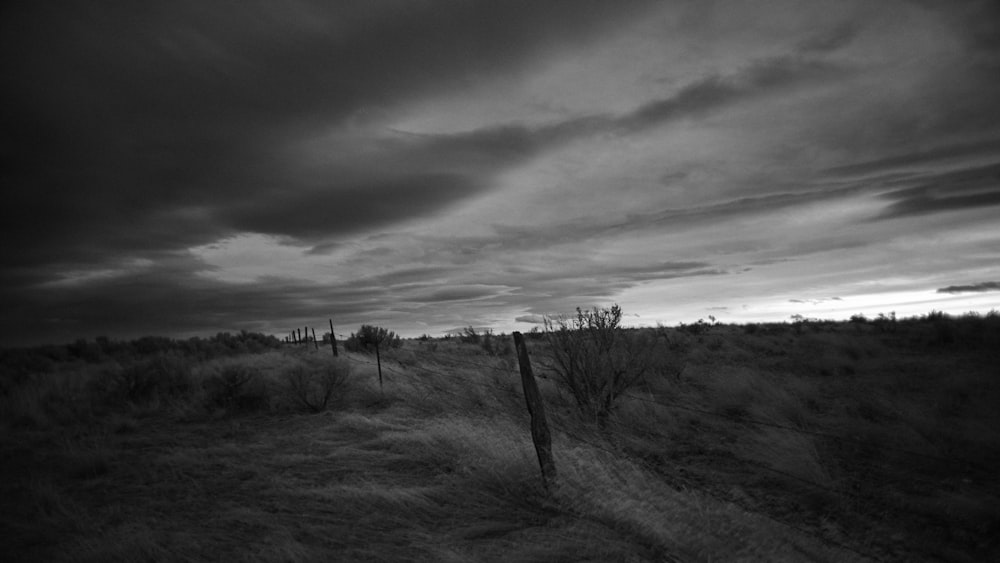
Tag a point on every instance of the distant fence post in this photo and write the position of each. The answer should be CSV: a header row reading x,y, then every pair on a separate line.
x,y
539,426
315,342
299,341
333,339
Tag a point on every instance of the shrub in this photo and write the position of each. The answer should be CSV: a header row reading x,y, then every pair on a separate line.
x,y
312,388
160,377
369,336
696,328
470,336
488,343
236,388
885,323
598,360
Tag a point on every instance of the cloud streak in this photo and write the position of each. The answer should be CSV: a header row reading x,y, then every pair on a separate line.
x,y
973,288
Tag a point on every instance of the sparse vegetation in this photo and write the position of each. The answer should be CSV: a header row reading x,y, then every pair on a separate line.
x,y
236,387
368,337
844,442
313,388
490,343
598,360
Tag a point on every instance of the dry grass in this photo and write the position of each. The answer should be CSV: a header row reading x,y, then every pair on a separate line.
x,y
768,446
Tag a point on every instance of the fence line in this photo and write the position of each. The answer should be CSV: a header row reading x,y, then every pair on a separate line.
x,y
687,482
927,483
428,385
740,420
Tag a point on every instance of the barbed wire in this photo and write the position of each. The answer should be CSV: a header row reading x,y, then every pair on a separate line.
x,y
910,471
703,490
839,492
743,419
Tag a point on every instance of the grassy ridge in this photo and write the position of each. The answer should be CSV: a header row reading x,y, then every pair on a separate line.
x,y
826,442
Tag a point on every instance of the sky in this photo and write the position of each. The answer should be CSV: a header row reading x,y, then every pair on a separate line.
x,y
187,167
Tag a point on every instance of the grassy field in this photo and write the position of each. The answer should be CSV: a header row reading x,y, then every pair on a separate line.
x,y
865,441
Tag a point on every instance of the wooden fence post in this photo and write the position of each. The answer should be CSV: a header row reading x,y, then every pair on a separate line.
x,y
333,339
299,341
378,359
536,408
315,342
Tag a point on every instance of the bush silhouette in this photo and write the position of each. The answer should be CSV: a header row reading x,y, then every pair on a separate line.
x,y
369,336
597,359
313,387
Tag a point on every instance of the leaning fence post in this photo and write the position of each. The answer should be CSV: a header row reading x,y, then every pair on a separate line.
x,y
379,360
315,342
333,339
539,426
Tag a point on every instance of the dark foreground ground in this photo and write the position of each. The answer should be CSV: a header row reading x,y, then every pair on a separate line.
x,y
808,442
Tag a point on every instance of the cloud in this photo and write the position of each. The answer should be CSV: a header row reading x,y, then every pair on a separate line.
x,y
503,145
125,119
920,159
830,39
815,301
172,298
974,23
767,76
974,288
349,209
461,293
969,188
399,163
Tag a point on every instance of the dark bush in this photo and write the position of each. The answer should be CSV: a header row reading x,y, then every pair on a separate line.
x,y
598,360
312,387
237,388
470,336
163,376
369,336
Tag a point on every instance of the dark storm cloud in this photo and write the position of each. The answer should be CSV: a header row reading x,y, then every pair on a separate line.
x,y
491,148
349,209
164,299
437,170
974,288
116,115
137,128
